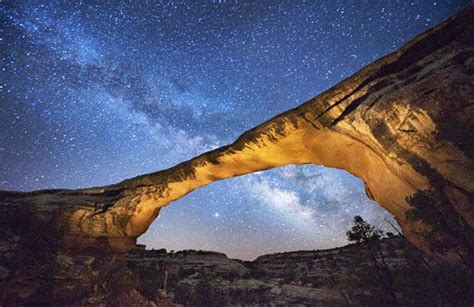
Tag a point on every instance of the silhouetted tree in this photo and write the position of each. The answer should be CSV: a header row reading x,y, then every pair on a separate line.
x,y
364,233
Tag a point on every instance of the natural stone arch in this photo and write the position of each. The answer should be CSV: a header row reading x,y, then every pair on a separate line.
x,y
310,206
403,124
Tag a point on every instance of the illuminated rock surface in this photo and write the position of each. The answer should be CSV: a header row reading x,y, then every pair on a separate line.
x,y
403,124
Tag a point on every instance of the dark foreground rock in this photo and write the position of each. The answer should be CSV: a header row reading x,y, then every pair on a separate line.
x,y
337,277
340,277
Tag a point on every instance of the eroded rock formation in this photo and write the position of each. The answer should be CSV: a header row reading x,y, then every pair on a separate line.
x,y
403,124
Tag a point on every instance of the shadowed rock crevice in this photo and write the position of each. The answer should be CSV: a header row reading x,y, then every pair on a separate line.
x,y
403,124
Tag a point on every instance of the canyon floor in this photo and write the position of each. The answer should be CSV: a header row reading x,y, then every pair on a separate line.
x,y
344,276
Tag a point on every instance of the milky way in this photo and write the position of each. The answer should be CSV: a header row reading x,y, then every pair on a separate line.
x,y
93,93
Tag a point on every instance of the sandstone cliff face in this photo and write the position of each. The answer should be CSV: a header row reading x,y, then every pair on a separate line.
x,y
403,124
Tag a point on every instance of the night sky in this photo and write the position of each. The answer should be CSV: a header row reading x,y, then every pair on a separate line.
x,y
95,93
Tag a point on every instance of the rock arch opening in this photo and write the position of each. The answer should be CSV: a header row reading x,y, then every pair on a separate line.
x,y
284,209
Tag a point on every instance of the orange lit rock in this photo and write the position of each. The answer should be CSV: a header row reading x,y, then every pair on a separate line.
x,y
403,124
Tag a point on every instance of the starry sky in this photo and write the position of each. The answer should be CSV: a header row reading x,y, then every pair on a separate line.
x,y
94,92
